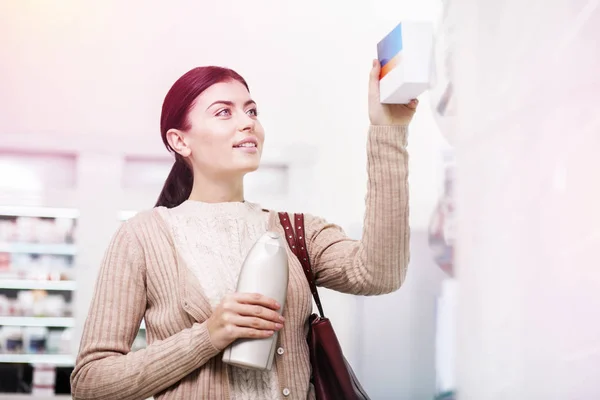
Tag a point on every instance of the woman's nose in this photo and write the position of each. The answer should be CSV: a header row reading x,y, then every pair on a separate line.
x,y
247,123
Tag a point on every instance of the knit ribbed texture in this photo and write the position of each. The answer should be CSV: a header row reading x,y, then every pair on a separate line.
x,y
143,276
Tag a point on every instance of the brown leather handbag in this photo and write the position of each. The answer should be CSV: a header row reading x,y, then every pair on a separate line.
x,y
332,376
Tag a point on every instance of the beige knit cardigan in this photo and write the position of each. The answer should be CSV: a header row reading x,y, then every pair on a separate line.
x,y
142,277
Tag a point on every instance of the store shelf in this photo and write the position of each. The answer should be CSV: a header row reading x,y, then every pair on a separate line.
x,y
23,284
26,396
64,322
59,360
39,212
39,248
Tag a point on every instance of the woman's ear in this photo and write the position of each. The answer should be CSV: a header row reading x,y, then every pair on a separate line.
x,y
176,139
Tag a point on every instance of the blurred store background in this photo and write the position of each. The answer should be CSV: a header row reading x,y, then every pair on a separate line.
x,y
81,85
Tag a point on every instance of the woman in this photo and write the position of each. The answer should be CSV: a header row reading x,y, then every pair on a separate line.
x,y
176,265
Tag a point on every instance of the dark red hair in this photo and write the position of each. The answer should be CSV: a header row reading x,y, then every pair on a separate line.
x,y
176,107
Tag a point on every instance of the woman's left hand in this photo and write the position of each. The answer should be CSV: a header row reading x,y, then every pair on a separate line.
x,y
387,114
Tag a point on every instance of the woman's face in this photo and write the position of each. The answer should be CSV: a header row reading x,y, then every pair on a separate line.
x,y
225,138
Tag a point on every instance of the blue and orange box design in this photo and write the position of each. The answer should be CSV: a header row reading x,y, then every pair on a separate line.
x,y
389,51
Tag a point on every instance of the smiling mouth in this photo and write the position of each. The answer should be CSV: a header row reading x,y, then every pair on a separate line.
x,y
245,145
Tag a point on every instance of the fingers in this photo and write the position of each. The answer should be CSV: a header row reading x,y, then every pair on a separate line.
x,y
250,333
234,332
256,299
256,311
413,104
245,315
255,323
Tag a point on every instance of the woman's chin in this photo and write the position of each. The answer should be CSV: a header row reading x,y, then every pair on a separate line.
x,y
248,167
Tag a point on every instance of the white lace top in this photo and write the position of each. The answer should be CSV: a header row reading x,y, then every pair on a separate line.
x,y
213,240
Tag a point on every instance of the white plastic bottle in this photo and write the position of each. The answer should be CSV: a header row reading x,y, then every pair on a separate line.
x,y
265,271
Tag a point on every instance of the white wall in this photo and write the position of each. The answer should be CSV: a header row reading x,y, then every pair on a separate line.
x,y
96,73
397,352
101,69
527,200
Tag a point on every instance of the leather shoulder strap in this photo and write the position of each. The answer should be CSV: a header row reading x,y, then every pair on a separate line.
x,y
297,242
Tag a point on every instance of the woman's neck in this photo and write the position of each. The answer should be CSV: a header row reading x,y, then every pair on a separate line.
x,y
217,190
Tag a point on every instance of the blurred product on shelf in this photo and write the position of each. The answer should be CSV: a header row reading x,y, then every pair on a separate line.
x,y
35,266
43,381
36,247
58,341
442,226
35,303
5,305
35,340
12,339
37,230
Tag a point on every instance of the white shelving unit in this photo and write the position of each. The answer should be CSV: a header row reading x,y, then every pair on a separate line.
x,y
39,212
39,248
18,396
26,284
50,322
58,360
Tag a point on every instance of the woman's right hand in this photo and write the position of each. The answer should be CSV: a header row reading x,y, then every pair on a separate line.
x,y
243,315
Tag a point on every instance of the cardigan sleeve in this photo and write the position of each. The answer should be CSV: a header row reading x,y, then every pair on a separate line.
x,y
105,366
377,263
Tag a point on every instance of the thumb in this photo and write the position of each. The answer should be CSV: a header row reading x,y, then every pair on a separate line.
x,y
376,68
374,80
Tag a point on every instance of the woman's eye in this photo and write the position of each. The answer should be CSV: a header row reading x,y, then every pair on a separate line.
x,y
224,113
253,112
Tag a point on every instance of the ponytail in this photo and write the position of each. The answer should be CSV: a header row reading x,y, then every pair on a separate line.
x,y
178,186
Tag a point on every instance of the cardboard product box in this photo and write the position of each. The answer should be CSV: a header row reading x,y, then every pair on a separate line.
x,y
405,55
